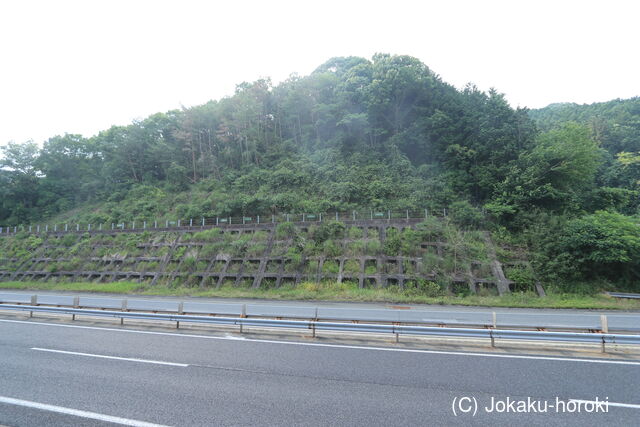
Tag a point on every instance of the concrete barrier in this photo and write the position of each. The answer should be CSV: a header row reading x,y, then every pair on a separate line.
x,y
624,322
153,305
68,300
548,320
264,310
101,302
212,308
15,298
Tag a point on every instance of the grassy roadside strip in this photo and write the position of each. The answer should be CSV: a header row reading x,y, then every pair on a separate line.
x,y
341,292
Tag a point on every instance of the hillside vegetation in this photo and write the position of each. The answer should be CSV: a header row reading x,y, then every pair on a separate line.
x,y
560,184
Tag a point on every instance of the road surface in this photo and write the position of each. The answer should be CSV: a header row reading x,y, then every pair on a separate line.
x,y
55,373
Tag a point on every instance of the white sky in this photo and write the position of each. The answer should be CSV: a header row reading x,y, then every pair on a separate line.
x,y
82,66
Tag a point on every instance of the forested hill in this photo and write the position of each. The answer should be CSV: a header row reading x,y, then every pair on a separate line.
x,y
615,124
385,133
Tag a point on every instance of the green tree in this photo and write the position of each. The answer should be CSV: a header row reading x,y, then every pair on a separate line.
x,y
604,244
550,176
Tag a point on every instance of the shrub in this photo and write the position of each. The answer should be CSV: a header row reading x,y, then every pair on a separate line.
x,y
285,230
373,247
179,252
189,263
210,250
431,229
331,266
357,247
351,266
332,248
522,277
603,244
68,240
328,230
421,287
465,215
239,247
256,249
392,245
355,233
207,235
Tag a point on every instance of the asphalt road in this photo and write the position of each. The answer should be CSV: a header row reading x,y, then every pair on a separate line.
x,y
182,379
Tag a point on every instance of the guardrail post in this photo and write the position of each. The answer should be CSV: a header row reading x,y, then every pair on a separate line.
x,y
124,308
243,315
604,323
494,319
180,311
76,304
493,342
34,301
313,322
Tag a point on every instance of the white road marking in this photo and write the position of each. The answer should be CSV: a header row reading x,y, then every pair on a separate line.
x,y
355,347
619,405
76,412
101,356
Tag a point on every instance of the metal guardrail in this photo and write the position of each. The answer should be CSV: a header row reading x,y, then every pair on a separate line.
x,y
623,295
587,322
313,325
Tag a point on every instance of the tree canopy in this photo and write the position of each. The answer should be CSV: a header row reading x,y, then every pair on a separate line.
x,y
383,133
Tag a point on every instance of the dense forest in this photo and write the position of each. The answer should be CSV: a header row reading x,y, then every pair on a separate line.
x,y
384,133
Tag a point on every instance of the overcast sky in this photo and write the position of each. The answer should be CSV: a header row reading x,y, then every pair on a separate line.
x,y
82,66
